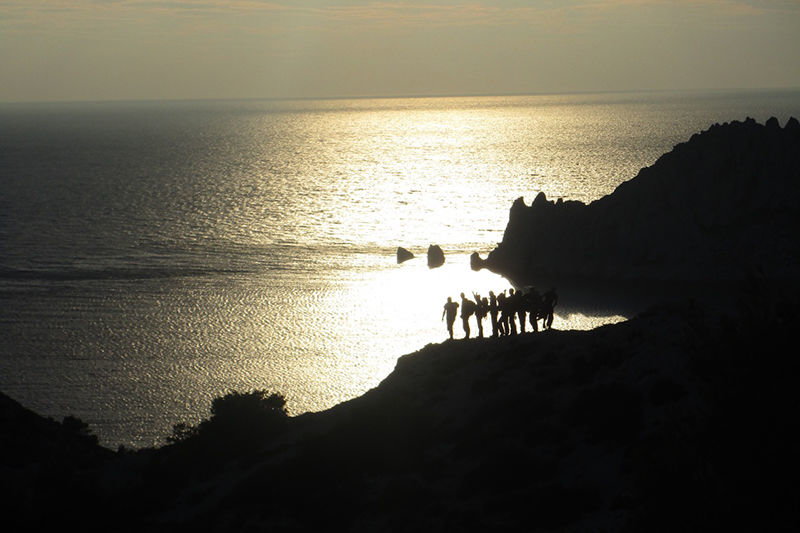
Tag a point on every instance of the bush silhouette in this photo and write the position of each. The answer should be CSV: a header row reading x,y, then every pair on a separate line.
x,y
75,426
239,421
238,409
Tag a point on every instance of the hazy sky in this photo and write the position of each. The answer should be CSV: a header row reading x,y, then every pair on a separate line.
x,y
132,49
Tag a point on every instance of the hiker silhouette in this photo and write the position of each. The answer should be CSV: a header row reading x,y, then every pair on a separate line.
x,y
493,312
511,311
481,309
449,312
533,303
467,309
502,321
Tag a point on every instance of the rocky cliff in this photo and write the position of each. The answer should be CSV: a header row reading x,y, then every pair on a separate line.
x,y
718,205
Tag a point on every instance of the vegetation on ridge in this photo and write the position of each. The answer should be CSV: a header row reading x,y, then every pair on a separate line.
x,y
237,419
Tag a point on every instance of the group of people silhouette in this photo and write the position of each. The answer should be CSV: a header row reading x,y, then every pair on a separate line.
x,y
504,311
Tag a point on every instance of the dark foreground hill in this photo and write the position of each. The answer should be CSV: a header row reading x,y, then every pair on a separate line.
x,y
714,207
679,419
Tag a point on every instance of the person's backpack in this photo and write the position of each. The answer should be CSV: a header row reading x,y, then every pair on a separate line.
x,y
468,307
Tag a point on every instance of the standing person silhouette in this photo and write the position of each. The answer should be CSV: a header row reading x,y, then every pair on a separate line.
x,y
493,312
533,302
511,311
467,308
481,308
502,305
450,309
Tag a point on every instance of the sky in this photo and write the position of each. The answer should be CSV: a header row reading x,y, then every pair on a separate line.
x,y
61,50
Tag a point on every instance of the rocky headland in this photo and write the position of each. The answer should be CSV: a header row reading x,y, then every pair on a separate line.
x,y
715,207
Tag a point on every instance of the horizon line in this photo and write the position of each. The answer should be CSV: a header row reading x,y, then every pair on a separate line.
x,y
398,97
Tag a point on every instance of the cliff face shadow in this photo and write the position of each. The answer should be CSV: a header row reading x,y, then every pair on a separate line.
x,y
628,299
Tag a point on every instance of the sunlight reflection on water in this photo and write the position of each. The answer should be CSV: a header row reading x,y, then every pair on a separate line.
x,y
159,254
371,318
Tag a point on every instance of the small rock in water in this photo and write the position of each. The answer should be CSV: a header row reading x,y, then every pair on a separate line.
x,y
403,255
435,256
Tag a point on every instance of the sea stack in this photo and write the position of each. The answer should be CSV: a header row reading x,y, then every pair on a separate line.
x,y
476,262
435,256
403,255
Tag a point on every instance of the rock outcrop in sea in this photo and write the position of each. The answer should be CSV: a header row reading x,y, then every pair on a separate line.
x,y
435,256
713,208
403,255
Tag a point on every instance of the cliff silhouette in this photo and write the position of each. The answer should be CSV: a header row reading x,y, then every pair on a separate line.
x,y
716,206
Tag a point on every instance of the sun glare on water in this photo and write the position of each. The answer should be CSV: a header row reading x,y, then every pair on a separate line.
x,y
416,174
378,315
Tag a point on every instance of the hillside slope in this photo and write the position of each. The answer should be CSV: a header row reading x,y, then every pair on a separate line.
x,y
678,419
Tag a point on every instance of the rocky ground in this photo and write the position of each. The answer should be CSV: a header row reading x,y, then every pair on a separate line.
x,y
679,419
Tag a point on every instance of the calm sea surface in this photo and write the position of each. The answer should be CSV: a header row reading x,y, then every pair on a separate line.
x,y
156,255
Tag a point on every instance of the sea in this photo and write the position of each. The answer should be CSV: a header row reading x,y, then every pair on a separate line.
x,y
155,255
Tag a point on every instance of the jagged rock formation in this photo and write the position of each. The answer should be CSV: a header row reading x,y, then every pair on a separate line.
x,y
435,256
403,255
713,208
